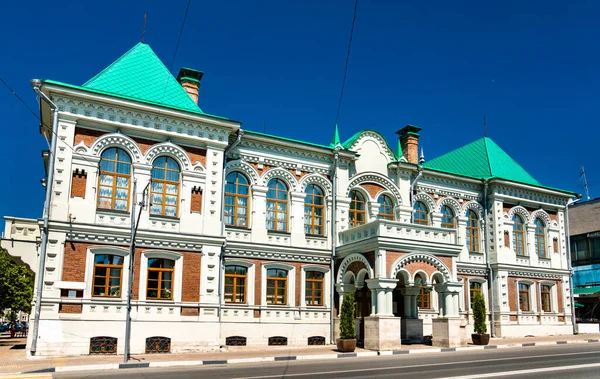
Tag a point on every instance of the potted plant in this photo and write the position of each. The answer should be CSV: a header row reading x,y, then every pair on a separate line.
x,y
347,341
480,337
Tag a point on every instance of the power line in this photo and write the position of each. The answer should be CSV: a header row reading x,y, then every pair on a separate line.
x,y
337,115
44,124
180,33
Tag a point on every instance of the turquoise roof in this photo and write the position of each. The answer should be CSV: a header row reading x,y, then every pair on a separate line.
x,y
481,159
139,74
335,142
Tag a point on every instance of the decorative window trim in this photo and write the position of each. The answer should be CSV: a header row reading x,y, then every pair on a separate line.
x,y
316,179
290,285
390,196
532,296
177,272
89,270
313,207
375,177
365,211
484,292
282,174
553,296
116,140
250,285
244,168
235,197
326,285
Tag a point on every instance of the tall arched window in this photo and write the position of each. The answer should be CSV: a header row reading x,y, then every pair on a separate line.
x,y
386,208
540,238
114,179
277,205
421,216
165,187
518,244
236,199
314,210
472,232
357,215
447,217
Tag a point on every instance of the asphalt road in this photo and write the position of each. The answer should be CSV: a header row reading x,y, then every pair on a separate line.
x,y
552,362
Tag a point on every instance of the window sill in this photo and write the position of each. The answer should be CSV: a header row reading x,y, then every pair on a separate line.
x,y
476,252
164,218
522,256
112,212
160,301
105,298
546,259
233,227
278,233
318,236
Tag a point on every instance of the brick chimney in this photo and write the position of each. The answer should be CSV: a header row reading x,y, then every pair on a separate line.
x,y
190,81
409,141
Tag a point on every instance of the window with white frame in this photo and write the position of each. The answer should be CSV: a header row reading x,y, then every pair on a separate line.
x,y
447,217
540,238
546,297
105,274
474,287
278,284
161,275
238,283
472,231
518,236
314,286
524,297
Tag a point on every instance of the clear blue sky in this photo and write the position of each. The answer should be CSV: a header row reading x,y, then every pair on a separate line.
x,y
532,67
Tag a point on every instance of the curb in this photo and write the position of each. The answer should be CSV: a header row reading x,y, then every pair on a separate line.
x,y
117,366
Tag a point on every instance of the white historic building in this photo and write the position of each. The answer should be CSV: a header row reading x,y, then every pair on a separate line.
x,y
253,239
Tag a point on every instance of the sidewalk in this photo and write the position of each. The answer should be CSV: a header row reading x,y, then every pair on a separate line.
x,y
13,358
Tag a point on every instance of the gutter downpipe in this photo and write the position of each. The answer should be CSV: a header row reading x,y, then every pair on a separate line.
x,y
487,258
412,192
36,83
240,133
333,244
573,319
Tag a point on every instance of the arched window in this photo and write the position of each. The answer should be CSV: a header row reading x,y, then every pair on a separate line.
x,y
421,216
424,297
386,208
114,179
235,284
277,205
540,238
472,232
357,215
160,279
108,271
165,187
518,244
236,199
447,217
314,206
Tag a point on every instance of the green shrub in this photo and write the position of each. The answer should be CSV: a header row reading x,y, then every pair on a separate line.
x,y
479,313
347,330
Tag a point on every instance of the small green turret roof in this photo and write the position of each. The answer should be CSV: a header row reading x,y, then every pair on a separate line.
x,y
335,142
481,159
139,74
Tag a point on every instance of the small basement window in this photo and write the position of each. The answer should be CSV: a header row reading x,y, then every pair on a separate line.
x,y
235,341
316,340
277,341
103,345
156,345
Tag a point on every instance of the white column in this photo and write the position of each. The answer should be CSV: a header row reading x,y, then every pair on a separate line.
x,y
384,300
296,221
259,209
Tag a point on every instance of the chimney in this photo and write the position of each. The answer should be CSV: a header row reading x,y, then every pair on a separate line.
x,y
409,141
190,81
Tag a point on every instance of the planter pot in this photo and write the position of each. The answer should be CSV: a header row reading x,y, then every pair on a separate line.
x,y
346,346
480,339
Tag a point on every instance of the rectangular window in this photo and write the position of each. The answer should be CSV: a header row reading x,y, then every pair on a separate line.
x,y
108,270
424,299
545,295
314,288
524,297
160,279
474,287
235,284
277,286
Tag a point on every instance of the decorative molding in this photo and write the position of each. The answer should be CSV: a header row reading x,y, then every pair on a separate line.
x,y
241,166
114,140
451,202
543,215
379,139
293,257
521,211
428,200
471,271
534,275
530,195
317,179
474,206
125,240
420,257
372,177
356,257
172,150
148,120
280,173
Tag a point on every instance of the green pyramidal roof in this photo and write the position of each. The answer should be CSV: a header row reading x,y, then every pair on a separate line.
x,y
481,159
139,74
